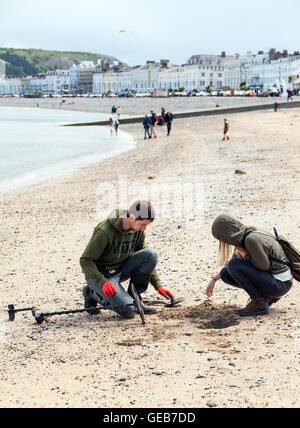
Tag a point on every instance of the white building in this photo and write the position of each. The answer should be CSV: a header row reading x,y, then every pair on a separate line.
x,y
279,73
57,81
11,86
209,72
98,78
124,80
73,75
237,70
38,84
145,78
2,69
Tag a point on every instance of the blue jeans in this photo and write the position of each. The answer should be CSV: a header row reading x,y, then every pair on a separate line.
x,y
147,133
257,283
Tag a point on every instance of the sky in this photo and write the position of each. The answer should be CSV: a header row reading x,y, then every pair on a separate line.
x,y
165,29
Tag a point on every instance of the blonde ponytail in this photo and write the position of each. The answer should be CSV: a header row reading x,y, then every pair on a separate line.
x,y
224,253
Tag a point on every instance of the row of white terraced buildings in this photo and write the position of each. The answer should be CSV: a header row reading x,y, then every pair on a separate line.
x,y
201,71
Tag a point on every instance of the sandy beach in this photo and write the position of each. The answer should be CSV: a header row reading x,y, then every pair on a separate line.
x,y
139,106
197,355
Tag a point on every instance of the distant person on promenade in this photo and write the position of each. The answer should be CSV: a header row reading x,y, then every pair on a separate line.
x,y
152,125
168,120
147,124
163,113
289,95
259,265
226,128
114,110
118,112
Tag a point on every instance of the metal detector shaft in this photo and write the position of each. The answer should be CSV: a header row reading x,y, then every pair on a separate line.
x,y
73,311
40,316
11,311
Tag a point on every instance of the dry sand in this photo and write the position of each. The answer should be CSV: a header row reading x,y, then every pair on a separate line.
x,y
139,106
183,357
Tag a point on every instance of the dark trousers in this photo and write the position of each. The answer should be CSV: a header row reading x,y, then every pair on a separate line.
x,y
169,125
147,133
243,274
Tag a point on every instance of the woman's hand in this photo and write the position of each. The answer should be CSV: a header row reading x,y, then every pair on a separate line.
x,y
210,288
211,285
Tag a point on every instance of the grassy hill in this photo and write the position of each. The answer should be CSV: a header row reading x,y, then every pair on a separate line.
x,y
34,61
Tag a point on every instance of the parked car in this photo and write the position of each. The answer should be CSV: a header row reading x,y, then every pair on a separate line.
x,y
273,92
237,93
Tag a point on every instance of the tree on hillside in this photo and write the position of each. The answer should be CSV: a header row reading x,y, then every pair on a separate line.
x,y
17,64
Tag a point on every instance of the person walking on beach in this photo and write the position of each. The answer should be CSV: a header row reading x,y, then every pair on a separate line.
x,y
118,112
111,126
168,120
113,110
289,95
163,113
258,266
226,128
116,124
147,124
118,252
152,125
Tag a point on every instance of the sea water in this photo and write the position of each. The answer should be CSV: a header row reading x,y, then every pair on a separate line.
x,y
34,146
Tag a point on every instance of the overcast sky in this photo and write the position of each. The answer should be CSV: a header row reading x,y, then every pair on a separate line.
x,y
169,29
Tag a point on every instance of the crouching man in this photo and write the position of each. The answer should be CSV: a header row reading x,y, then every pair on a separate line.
x,y
116,253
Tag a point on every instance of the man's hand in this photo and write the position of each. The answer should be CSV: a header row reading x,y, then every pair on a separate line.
x,y
164,292
109,289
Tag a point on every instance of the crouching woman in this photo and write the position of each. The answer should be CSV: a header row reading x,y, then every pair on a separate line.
x,y
258,265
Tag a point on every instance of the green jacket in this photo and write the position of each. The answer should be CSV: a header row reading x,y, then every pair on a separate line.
x,y
259,247
110,246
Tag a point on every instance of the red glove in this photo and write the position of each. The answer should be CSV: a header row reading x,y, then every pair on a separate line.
x,y
164,292
109,289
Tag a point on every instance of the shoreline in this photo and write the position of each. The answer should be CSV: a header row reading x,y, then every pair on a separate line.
x,y
47,228
88,147
52,172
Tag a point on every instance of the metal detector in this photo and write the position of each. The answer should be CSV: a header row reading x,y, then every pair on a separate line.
x,y
40,317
